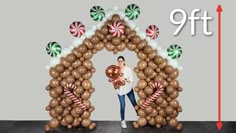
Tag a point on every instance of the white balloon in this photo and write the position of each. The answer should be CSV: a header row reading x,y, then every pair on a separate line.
x,y
89,33
104,20
115,8
163,53
141,34
153,44
83,37
54,61
173,63
109,12
65,52
126,18
47,67
94,28
121,13
180,68
99,25
77,41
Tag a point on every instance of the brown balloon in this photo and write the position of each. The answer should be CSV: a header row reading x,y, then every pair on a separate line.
x,y
99,46
76,52
152,54
88,43
53,123
159,119
86,84
53,72
135,124
121,47
95,39
82,70
63,122
88,64
152,122
116,41
71,57
54,82
53,93
59,109
70,79
140,102
115,18
174,95
52,113
82,48
123,37
76,122
148,71
69,119
142,121
174,74
159,100
173,122
65,62
141,44
141,75
86,95
174,103
100,35
63,103
87,75
88,55
141,113
65,73
131,46
163,64
76,74
152,65
127,30
162,113
142,64
135,40
154,113
109,46
76,63
170,89
142,84
158,60
68,101
148,90
47,128
148,109
85,115
132,34
147,49
174,83
86,122
141,94
168,69
53,103
136,70
104,30
169,110
87,103
141,55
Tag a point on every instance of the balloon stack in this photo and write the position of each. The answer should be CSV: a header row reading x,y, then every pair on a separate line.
x,y
71,88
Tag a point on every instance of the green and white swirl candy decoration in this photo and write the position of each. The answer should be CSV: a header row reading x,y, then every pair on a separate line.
x,y
132,11
174,51
97,13
53,49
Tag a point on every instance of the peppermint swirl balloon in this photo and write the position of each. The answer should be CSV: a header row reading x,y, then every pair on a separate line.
x,y
117,29
174,51
152,31
97,13
53,49
132,11
77,29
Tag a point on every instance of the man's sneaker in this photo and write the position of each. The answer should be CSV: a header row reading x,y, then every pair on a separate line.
x,y
123,124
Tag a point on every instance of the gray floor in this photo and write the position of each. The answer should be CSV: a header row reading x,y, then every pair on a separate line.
x,y
114,127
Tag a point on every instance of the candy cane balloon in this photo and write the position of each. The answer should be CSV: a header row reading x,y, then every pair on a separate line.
x,y
76,100
154,96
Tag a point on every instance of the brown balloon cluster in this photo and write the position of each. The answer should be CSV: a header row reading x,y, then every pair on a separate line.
x,y
77,68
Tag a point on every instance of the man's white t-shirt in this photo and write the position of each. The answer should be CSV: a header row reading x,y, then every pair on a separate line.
x,y
124,89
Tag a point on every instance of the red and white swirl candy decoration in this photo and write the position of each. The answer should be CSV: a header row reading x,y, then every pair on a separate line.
x,y
154,96
152,31
117,29
75,99
77,29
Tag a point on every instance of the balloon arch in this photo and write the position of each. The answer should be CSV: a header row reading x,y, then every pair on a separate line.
x,y
70,87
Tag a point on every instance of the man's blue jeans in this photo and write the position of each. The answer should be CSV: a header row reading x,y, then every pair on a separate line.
x,y
122,103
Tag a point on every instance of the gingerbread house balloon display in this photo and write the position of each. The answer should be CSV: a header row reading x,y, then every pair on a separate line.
x,y
71,70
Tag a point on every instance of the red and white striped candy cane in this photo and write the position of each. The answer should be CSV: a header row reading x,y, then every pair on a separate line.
x,y
154,96
76,100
